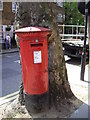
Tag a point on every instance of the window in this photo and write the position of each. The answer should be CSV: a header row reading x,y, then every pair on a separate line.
x,y
60,3
13,7
1,5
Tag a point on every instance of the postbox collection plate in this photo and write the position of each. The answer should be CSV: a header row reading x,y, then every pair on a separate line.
x,y
37,57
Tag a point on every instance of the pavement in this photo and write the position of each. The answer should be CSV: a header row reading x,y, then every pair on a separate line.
x,y
81,112
84,109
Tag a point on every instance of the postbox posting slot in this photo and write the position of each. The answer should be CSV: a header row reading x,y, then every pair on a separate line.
x,y
37,45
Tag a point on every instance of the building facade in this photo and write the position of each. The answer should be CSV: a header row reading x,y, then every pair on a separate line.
x,y
7,18
8,14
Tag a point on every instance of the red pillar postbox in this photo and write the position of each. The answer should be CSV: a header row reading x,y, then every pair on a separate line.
x,y
34,59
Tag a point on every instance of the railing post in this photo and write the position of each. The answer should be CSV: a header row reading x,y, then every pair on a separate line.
x,y
72,31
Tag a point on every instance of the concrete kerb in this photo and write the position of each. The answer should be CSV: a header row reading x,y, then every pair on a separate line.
x,y
9,51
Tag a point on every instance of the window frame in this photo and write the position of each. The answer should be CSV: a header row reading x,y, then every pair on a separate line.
x,y
13,7
1,7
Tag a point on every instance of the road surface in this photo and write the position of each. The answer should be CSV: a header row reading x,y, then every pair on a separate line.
x,y
11,73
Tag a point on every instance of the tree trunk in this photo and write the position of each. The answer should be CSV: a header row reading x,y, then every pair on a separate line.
x,y
59,86
46,15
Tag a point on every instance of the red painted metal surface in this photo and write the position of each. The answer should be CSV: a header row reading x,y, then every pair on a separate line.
x,y
34,59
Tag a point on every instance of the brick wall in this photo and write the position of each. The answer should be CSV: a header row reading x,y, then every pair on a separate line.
x,y
7,14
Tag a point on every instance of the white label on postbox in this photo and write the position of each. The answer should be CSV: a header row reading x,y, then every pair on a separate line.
x,y
37,57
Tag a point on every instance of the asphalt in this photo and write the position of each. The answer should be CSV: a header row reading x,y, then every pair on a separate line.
x,y
82,112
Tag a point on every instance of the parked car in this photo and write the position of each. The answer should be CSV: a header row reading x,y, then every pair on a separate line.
x,y
73,48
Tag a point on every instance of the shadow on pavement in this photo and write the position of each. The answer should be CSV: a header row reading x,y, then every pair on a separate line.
x,y
74,61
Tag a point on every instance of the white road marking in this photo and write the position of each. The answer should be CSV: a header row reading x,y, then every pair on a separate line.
x,y
8,98
8,56
17,61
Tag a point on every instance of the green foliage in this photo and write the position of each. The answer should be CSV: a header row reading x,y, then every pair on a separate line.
x,y
72,15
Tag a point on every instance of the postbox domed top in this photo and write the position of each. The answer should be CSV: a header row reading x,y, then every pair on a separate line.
x,y
32,29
